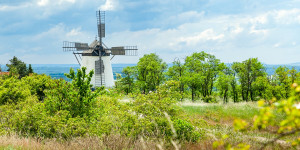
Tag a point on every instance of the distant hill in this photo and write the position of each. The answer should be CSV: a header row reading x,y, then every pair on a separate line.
x,y
295,64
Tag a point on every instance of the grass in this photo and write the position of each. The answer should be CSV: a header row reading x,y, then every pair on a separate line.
x,y
217,120
225,111
111,142
211,120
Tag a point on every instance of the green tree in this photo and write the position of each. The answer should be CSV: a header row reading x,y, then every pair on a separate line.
x,y
19,65
150,69
30,70
82,82
202,71
177,72
234,85
75,97
247,72
263,87
283,80
223,85
128,78
294,75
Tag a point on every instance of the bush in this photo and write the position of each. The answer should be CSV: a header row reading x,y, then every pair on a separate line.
x,y
210,99
153,115
13,90
185,131
38,84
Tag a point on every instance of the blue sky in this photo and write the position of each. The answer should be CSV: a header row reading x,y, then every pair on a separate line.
x,y
232,30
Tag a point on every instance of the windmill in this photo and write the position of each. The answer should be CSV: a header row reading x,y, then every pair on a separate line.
x,y
97,56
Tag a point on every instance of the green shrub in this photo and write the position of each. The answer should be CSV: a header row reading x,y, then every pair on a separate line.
x,y
37,84
210,99
13,90
186,131
153,115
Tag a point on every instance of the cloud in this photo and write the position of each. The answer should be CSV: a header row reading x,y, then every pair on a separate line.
x,y
14,7
109,5
43,3
204,36
229,37
169,28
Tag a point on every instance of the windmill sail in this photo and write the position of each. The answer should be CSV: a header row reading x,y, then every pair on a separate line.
x,y
101,25
75,46
124,50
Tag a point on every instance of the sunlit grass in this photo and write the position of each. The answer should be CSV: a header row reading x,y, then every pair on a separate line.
x,y
226,111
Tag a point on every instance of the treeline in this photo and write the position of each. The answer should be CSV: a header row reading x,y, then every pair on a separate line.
x,y
203,76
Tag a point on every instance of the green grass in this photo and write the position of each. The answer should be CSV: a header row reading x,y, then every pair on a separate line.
x,y
217,120
241,110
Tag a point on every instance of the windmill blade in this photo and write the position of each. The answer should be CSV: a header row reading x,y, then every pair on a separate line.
x,y
101,24
75,46
124,50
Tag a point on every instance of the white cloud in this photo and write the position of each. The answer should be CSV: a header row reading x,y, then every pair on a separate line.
x,y
43,2
238,30
271,32
229,37
74,32
15,7
53,3
109,5
204,36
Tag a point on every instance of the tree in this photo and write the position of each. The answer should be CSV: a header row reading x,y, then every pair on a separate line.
x,y
177,73
223,85
247,72
150,69
30,70
127,81
75,97
19,65
202,71
282,78
234,86
263,87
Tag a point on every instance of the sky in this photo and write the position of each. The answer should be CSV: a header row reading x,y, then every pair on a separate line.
x,y
232,30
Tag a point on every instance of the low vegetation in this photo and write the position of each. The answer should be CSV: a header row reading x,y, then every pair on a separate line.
x,y
200,104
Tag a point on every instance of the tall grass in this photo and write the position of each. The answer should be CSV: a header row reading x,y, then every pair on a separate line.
x,y
226,111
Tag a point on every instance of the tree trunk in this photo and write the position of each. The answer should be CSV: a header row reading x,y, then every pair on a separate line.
x,y
193,92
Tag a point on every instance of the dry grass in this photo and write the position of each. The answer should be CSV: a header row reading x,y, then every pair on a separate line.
x,y
112,142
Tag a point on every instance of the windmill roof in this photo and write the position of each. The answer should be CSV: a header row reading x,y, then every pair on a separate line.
x,y
88,51
4,73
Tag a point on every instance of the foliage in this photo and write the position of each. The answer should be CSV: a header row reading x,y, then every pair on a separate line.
x,y
30,70
76,97
12,90
126,83
202,71
223,85
38,84
288,126
156,115
150,70
19,65
248,71
178,72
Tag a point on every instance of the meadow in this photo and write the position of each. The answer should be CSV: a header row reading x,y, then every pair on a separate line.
x,y
213,121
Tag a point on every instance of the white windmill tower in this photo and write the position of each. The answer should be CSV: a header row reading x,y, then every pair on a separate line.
x,y
97,56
